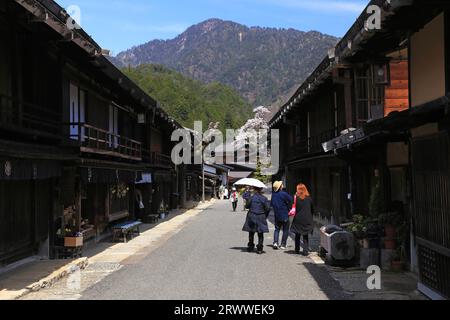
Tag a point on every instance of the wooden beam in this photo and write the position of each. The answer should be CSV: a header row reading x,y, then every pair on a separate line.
x,y
289,122
447,48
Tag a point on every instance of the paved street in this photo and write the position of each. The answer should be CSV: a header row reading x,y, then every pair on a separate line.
x,y
204,259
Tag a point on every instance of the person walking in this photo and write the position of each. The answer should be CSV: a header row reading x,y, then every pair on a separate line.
x,y
302,226
234,199
256,221
281,203
226,193
221,191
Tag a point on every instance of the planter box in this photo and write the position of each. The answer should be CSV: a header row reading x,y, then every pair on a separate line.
x,y
73,242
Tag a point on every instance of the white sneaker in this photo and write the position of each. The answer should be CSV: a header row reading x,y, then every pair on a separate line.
x,y
282,248
275,246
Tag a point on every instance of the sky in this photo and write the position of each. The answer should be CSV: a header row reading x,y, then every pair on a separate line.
x,y
118,25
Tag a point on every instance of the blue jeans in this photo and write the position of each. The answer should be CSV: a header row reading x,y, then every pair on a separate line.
x,y
281,226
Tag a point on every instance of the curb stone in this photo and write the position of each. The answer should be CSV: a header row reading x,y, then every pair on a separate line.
x,y
54,277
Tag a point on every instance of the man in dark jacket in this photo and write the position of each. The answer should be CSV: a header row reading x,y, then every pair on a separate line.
x,y
281,204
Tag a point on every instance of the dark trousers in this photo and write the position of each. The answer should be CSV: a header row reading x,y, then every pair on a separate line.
x,y
281,226
235,206
305,243
251,240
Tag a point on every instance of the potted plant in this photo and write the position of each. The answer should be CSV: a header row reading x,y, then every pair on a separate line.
x,y
359,229
398,259
391,222
376,202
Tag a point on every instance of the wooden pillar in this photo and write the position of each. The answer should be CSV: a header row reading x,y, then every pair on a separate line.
x,y
57,211
351,189
132,200
34,206
447,49
348,99
78,188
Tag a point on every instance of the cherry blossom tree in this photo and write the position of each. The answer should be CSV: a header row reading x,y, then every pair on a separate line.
x,y
249,134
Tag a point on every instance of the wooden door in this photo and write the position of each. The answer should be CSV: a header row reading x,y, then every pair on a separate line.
x,y
431,191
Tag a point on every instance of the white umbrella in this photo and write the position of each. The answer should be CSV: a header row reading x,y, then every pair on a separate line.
x,y
251,183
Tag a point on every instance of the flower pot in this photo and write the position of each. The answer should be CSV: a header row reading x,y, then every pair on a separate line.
x,y
389,231
73,242
361,243
366,243
390,244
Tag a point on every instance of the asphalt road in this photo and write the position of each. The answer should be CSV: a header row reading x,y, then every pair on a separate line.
x,y
207,260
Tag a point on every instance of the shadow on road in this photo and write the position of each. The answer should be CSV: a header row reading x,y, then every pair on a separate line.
x,y
330,287
242,249
292,252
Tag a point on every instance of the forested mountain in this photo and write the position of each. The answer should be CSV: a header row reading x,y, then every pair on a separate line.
x,y
262,64
188,100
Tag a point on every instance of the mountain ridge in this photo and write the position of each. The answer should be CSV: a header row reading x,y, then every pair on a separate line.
x,y
261,63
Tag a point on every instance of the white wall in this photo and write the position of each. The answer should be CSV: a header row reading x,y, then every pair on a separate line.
x,y
428,62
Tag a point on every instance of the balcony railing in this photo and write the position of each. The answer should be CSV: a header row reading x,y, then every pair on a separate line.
x,y
15,114
96,140
157,159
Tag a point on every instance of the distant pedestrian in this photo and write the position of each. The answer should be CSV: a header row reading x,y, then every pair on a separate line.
x,y
226,193
234,199
221,191
302,226
281,203
256,221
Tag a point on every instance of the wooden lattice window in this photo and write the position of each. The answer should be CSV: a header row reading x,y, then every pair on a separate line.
x,y
369,94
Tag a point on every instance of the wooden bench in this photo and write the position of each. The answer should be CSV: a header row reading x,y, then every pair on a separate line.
x,y
151,218
123,230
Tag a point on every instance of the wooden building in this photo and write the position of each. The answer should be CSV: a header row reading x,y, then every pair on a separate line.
x,y
81,144
388,89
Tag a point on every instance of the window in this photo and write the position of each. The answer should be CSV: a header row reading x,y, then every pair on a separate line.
x,y
114,126
369,95
77,112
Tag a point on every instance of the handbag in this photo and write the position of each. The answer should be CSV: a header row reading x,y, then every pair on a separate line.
x,y
293,211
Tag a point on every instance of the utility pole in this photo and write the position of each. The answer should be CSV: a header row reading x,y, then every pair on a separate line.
x,y
215,126
203,180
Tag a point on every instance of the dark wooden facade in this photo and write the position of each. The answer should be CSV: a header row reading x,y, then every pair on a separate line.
x,y
392,85
76,135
